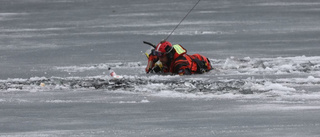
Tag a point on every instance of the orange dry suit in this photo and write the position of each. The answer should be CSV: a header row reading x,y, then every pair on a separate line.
x,y
181,63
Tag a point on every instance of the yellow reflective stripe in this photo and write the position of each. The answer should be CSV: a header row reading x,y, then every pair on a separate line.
x,y
147,54
179,49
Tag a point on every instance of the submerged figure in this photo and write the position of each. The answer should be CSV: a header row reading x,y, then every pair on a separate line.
x,y
175,60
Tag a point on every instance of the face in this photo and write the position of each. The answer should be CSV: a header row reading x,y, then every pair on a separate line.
x,y
163,59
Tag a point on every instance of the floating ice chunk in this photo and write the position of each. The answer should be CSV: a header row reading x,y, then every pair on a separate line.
x,y
313,79
277,87
38,78
230,64
309,79
270,87
145,101
126,102
247,58
58,101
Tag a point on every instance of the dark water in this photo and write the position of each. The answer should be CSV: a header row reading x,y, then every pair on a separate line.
x,y
278,41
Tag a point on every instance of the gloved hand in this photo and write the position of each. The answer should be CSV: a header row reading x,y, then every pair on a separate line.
x,y
151,61
156,69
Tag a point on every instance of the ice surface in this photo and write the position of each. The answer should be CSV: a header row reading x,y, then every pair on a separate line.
x,y
231,78
54,57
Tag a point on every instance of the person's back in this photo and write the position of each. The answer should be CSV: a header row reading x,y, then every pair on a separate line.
x,y
175,60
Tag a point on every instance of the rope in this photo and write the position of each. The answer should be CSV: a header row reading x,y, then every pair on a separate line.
x,y
182,20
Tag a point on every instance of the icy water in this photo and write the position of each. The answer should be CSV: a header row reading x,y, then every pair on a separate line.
x,y
55,54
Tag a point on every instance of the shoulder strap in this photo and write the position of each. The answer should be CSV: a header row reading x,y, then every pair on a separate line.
x,y
179,49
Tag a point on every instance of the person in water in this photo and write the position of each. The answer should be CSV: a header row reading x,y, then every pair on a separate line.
x,y
175,60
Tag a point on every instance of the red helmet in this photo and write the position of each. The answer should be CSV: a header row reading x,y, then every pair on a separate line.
x,y
164,47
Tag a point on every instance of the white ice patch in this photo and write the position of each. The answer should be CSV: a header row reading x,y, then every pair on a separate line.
x,y
131,102
276,107
8,16
29,46
288,65
288,4
307,80
231,63
59,101
268,86
135,15
33,30
100,66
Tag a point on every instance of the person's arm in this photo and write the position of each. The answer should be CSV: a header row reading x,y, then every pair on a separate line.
x,y
182,68
152,59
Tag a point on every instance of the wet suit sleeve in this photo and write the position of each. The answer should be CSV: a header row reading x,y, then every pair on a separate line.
x,y
152,59
181,67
